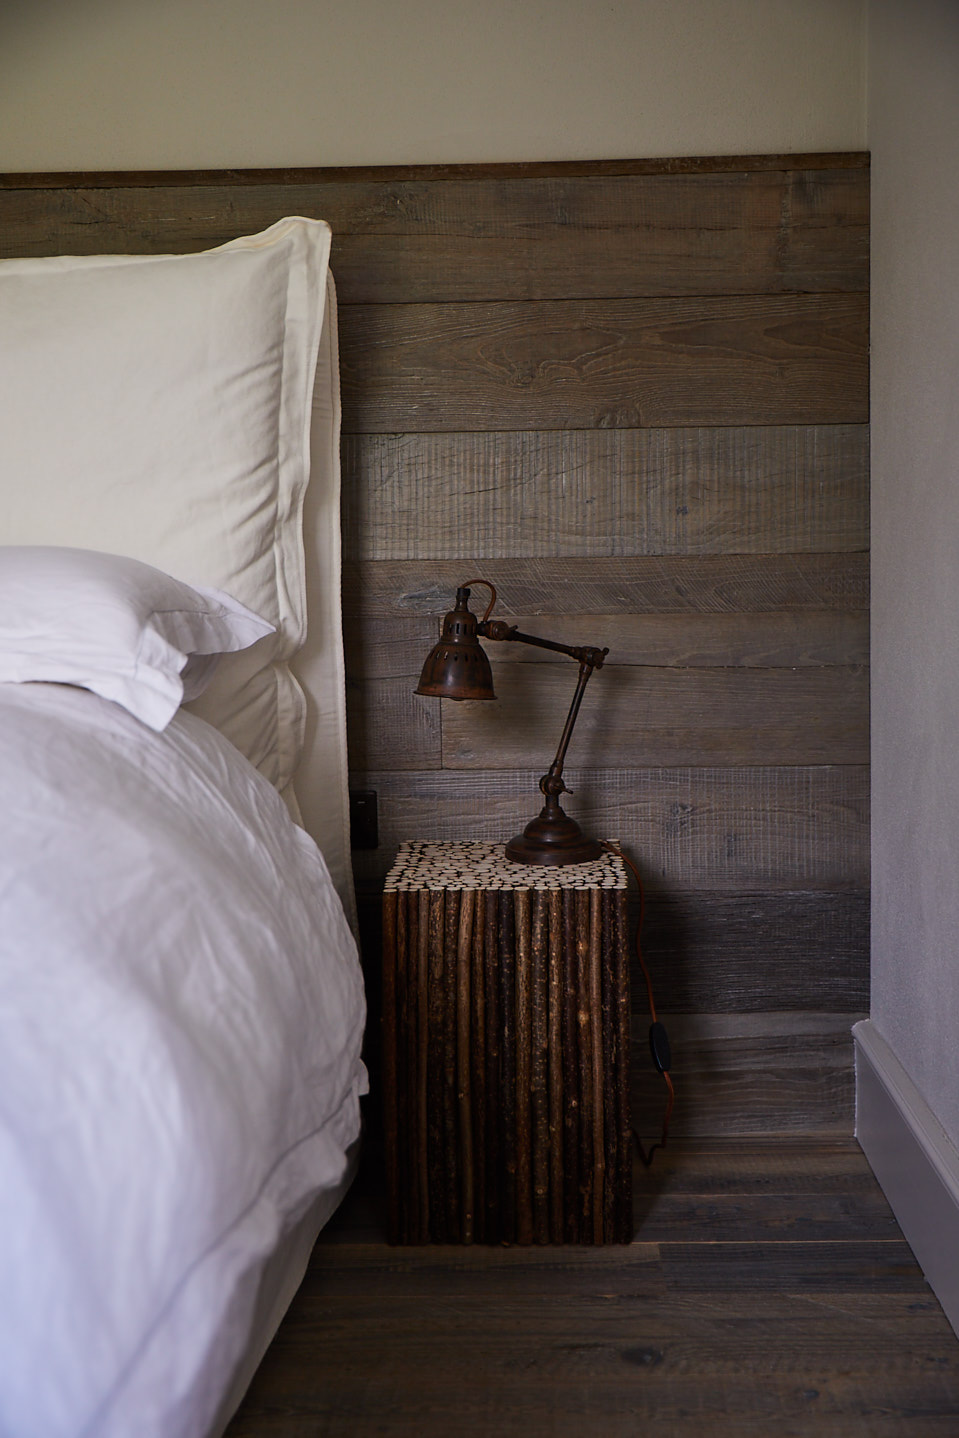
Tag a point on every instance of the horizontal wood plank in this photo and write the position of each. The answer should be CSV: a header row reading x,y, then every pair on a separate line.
x,y
743,830
750,1073
732,953
453,1361
640,715
789,1219
384,718
695,641
379,646
735,953
867,1265
574,237
621,364
804,1319
505,236
610,492
745,953
288,175
706,584
632,716
787,1166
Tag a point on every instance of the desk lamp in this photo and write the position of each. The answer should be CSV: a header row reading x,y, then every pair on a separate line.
x,y
457,668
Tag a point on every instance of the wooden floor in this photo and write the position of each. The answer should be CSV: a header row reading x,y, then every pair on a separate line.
x,y
769,1292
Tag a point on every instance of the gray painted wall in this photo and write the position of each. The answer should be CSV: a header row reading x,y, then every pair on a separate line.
x,y
913,70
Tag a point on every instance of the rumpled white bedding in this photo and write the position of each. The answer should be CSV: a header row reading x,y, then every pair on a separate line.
x,y
181,1012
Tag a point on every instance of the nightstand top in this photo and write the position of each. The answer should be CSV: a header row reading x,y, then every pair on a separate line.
x,y
432,864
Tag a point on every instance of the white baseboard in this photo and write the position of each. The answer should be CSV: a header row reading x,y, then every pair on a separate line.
x,y
914,1160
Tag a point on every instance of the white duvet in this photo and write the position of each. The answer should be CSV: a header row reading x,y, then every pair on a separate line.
x,y
180,1021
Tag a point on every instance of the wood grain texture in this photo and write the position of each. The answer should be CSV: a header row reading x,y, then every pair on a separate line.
x,y
542,1033
770,688
422,235
582,1008
557,1152
448,1042
507,1093
464,1068
607,492
643,715
391,1114
816,639
621,364
531,169
387,724
525,1156
769,1291
421,1185
743,953
706,584
714,951
750,1073
572,1092
752,828
589,1027
492,1222
582,237
601,1062
477,1042
433,1054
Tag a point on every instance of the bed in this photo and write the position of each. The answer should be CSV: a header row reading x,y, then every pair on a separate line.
x,y
181,1003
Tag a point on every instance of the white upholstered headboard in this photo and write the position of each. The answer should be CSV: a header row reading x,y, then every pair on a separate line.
x,y
173,408
320,781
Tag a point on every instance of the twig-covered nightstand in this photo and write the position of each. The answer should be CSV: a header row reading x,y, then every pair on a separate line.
x,y
506,1048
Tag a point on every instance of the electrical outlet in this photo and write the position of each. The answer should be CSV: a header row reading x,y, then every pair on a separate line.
x,y
364,823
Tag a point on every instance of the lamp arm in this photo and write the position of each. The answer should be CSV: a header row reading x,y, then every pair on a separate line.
x,y
499,629
589,658
552,784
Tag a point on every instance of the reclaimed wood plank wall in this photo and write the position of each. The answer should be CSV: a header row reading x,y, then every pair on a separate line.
x,y
633,396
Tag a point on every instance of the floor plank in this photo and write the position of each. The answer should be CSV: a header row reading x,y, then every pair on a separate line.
x,y
768,1291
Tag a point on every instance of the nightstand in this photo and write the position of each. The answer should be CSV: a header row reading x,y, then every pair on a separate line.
x,y
505,1048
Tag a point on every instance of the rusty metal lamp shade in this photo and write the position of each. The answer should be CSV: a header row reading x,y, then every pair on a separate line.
x,y
457,668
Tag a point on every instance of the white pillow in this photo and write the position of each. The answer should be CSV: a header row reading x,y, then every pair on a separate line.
x,y
159,407
116,626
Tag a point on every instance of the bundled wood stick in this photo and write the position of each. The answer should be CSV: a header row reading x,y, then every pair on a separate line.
x,y
435,1041
408,914
571,1073
611,1051
585,1061
450,1155
389,1068
595,899
556,1091
524,1068
539,1039
507,978
464,959
624,1187
420,1060
494,1137
505,1053
478,1066
402,1083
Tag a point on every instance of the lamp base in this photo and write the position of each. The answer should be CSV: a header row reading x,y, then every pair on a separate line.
x,y
553,838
